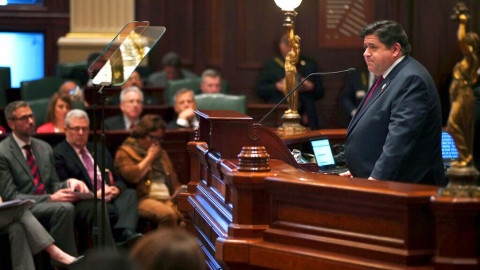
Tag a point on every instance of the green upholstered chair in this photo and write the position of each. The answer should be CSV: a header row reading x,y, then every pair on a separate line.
x,y
219,101
76,71
190,83
39,108
5,83
41,88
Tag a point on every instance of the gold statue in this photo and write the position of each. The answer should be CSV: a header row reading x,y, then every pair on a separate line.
x,y
460,120
291,71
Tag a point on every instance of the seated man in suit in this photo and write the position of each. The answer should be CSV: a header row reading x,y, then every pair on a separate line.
x,y
185,106
172,70
73,160
133,80
211,81
27,171
131,105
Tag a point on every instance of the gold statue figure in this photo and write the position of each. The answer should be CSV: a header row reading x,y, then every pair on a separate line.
x,y
291,71
460,120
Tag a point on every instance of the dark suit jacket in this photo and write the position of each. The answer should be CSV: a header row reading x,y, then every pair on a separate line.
x,y
16,180
397,134
69,165
115,123
356,84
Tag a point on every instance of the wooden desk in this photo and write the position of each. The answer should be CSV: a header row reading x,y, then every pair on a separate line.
x,y
284,218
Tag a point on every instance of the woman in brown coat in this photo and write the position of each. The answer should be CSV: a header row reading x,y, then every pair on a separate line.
x,y
142,162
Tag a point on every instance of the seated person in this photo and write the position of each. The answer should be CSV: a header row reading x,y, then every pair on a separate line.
x,y
27,236
58,107
184,107
172,70
211,81
357,84
72,89
142,162
131,105
133,80
168,249
272,80
73,160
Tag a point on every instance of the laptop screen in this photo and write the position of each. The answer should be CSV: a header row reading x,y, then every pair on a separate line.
x,y
323,153
449,150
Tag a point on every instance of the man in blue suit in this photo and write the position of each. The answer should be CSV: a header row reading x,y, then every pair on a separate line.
x,y
396,132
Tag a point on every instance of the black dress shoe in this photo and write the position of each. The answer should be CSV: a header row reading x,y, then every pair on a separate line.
x,y
129,238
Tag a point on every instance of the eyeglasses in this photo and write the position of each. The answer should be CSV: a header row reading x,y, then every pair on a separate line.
x,y
77,129
156,138
25,118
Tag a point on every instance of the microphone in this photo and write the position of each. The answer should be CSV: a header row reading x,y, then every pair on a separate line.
x,y
298,85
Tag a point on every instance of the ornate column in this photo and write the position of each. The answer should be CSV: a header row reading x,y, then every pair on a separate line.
x,y
93,24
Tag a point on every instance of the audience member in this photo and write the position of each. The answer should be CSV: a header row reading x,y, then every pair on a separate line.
x,y
134,80
58,107
141,161
168,249
27,171
184,107
27,236
131,105
271,83
172,70
211,81
73,159
72,89
357,84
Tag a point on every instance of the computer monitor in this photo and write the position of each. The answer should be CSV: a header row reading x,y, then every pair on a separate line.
x,y
449,149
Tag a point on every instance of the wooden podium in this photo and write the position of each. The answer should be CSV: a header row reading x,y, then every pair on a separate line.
x,y
260,212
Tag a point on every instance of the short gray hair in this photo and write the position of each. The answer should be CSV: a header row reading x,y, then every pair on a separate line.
x,y
210,73
128,89
12,106
183,91
76,113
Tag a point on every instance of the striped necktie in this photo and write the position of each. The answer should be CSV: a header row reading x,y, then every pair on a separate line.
x,y
38,187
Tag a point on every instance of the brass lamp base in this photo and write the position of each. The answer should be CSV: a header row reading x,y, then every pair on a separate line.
x,y
291,123
462,183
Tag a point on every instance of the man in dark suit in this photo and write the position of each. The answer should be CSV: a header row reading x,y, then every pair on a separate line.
x,y
185,106
27,171
131,105
272,79
73,159
396,131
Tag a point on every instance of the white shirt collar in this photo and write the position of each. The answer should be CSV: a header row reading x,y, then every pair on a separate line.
x,y
385,74
128,123
20,143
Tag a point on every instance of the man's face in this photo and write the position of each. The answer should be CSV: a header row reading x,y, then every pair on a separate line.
x,y
172,73
185,101
210,85
23,123
134,80
77,132
377,56
132,106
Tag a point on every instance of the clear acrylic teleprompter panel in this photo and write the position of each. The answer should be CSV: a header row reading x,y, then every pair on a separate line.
x,y
126,51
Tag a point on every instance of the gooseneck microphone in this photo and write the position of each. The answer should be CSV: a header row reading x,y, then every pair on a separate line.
x,y
298,85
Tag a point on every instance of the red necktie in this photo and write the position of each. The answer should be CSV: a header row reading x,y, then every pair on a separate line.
x,y
38,187
132,125
379,81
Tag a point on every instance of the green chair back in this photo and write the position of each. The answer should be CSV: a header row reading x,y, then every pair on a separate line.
x,y
76,71
219,101
190,83
41,88
5,83
39,108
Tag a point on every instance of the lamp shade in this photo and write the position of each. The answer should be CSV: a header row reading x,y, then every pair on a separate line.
x,y
288,4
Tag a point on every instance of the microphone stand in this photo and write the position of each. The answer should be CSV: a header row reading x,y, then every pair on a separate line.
x,y
298,85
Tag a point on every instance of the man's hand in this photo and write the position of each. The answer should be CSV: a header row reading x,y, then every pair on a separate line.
x,y
187,114
75,184
111,192
346,174
280,84
307,85
63,195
